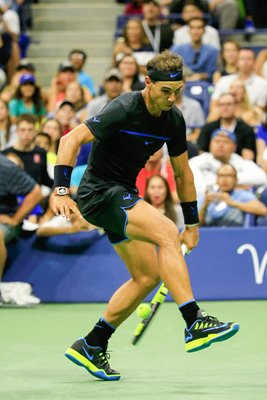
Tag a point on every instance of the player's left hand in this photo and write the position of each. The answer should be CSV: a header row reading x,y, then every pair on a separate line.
x,y
190,237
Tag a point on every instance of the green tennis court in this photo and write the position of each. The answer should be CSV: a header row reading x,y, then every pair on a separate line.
x,y
33,367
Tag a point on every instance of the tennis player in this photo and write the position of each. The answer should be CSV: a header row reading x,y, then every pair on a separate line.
x,y
125,134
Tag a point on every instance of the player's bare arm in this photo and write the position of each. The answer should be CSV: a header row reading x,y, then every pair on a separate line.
x,y
67,153
187,194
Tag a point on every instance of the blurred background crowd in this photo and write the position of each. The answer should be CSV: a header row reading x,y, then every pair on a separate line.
x,y
223,101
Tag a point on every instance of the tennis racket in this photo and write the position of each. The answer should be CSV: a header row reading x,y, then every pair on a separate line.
x,y
155,303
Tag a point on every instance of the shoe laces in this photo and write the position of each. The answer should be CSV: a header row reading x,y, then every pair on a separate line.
x,y
104,355
211,320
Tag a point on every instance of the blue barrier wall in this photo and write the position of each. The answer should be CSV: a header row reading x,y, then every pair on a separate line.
x,y
228,264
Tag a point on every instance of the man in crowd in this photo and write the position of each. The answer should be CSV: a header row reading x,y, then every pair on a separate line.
x,y
245,136
222,150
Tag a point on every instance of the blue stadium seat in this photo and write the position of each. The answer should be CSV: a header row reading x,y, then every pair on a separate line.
x,y
200,91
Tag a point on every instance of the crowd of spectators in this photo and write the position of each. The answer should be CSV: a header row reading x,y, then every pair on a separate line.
x,y
223,101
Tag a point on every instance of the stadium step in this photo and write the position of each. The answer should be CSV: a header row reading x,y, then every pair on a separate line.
x,y
61,25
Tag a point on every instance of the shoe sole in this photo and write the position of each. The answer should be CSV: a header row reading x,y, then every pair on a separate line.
x,y
80,360
203,343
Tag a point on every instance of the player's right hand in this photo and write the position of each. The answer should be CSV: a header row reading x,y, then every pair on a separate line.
x,y
65,206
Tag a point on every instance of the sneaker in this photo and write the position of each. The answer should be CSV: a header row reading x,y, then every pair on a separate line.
x,y
94,359
207,330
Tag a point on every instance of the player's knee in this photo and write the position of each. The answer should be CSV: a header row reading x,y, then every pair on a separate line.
x,y
149,282
169,235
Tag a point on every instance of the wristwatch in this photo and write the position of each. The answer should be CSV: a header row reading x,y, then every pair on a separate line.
x,y
62,191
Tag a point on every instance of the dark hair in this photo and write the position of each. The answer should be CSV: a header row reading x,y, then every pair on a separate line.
x,y
169,207
26,117
36,97
78,51
197,19
166,61
46,135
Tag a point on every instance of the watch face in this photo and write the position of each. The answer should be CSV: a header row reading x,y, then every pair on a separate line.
x,y
62,191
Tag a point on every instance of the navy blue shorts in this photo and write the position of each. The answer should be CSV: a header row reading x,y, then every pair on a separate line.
x,y
107,209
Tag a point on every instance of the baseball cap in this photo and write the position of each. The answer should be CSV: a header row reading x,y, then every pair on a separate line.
x,y
225,133
25,64
66,103
66,66
113,73
27,78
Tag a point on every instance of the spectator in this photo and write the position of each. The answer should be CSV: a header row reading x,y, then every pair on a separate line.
x,y
222,151
228,205
59,83
158,194
159,34
5,54
261,142
44,141
252,116
255,85
227,106
261,63
113,84
33,157
229,58
75,94
134,40
190,10
14,182
10,24
27,99
78,59
226,13
53,127
193,115
200,59
129,70
7,130
65,114
158,164
133,7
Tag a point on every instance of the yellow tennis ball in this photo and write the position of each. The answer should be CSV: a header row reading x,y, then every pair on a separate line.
x,y
143,310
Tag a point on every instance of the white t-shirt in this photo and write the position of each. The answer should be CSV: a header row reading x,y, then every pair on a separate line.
x,y
256,87
211,36
205,167
11,19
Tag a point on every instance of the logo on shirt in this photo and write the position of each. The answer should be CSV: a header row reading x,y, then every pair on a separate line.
x,y
96,119
37,158
147,142
127,196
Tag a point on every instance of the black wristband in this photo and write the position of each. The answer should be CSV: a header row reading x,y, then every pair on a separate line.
x,y
62,175
190,212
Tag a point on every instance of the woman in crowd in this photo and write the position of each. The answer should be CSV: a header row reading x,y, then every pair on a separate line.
x,y
27,99
53,127
129,69
251,115
7,130
229,57
134,40
158,194
75,94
